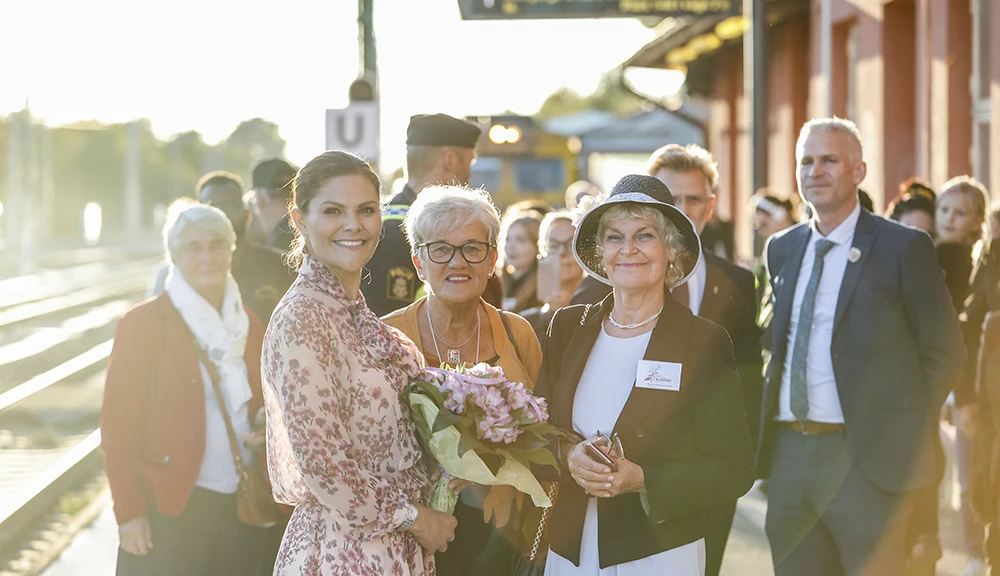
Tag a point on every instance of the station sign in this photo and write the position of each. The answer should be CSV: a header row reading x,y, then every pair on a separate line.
x,y
354,129
536,9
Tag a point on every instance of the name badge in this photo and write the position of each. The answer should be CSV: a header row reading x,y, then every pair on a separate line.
x,y
659,375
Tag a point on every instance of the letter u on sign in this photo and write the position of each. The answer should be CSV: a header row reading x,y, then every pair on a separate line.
x,y
354,129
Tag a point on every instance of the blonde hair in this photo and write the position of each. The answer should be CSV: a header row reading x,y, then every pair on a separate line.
x,y
671,235
979,197
677,158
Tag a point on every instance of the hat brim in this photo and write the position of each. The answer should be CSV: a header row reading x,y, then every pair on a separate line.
x,y
585,244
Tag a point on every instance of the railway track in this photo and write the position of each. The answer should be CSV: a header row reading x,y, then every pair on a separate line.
x,y
56,331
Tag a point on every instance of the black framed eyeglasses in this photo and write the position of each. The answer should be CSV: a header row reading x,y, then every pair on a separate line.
x,y
443,252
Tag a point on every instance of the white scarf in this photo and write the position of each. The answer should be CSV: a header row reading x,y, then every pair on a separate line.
x,y
224,337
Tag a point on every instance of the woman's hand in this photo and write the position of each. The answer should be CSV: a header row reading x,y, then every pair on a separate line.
x,y
136,537
456,485
433,529
597,479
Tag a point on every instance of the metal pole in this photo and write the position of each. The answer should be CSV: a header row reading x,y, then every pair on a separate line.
x,y
133,201
755,80
366,40
14,191
48,192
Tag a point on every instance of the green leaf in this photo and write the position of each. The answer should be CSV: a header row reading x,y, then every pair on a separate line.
x,y
467,443
423,387
445,418
492,460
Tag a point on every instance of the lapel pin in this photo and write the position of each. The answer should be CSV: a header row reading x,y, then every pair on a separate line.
x,y
715,289
854,255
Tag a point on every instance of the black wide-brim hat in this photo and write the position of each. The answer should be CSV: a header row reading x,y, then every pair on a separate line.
x,y
637,189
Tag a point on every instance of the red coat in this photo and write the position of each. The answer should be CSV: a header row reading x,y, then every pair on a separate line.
x,y
153,446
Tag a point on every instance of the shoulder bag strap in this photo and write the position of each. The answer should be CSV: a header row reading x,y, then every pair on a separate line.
x,y
213,375
510,335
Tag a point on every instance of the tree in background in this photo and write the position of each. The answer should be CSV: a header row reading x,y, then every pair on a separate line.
x,y
88,165
609,96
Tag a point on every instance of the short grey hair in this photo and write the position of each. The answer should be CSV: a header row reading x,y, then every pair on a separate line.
x,y
186,212
440,208
832,124
671,235
547,222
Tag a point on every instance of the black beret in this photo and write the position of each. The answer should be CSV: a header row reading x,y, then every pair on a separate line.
x,y
441,130
274,174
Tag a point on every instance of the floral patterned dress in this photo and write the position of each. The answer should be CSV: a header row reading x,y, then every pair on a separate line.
x,y
341,447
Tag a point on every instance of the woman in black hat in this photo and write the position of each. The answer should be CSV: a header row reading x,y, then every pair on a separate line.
x,y
651,390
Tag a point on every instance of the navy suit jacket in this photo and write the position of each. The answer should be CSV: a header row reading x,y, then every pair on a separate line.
x,y
897,348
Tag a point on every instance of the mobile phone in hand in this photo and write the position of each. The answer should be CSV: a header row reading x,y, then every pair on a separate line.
x,y
599,456
549,277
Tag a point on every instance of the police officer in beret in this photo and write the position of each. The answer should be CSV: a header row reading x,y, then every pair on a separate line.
x,y
439,150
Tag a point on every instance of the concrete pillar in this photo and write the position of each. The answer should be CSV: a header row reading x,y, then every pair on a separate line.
x,y
899,102
869,95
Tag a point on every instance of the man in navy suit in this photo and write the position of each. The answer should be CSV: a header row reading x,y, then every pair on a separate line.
x,y
866,348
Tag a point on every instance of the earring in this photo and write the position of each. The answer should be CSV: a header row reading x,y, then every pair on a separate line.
x,y
305,249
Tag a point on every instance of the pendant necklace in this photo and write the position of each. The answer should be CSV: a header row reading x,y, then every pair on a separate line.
x,y
454,357
630,326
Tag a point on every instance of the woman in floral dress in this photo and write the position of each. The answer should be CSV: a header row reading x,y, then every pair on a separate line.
x,y
340,442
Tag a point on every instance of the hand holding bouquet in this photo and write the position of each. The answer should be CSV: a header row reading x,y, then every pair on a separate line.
x,y
482,428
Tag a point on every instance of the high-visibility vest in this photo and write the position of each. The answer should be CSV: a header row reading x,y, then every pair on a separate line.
x,y
395,212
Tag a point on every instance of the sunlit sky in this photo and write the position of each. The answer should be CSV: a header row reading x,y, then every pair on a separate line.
x,y
208,64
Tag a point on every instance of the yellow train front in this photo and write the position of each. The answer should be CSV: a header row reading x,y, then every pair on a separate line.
x,y
517,160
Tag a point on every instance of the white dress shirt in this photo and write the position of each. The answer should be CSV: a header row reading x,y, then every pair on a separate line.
x,y
824,403
696,286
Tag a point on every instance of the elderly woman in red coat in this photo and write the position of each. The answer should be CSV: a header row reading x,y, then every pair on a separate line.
x,y
168,456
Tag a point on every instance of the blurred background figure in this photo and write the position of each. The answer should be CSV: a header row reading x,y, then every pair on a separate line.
x,y
865,199
577,190
985,485
559,273
995,221
259,270
164,432
519,260
915,206
272,186
255,228
962,236
440,149
773,212
538,206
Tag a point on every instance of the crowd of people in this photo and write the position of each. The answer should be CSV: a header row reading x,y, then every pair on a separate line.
x,y
254,419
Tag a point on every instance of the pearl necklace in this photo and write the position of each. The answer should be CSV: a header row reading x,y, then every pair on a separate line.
x,y
637,324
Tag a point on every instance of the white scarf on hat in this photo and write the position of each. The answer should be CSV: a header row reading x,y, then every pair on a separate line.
x,y
223,337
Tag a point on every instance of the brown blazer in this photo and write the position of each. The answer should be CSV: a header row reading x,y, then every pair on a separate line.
x,y
153,417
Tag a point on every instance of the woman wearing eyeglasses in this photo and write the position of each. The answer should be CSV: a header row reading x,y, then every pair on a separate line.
x,y
559,274
453,234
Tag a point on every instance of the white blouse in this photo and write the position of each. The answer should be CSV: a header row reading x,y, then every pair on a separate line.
x,y
605,386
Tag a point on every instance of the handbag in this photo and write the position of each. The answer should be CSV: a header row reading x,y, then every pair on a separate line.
x,y
254,504
533,563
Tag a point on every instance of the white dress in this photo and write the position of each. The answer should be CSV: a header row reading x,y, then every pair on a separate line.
x,y
604,388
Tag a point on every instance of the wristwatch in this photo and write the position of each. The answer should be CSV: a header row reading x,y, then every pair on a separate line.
x,y
411,517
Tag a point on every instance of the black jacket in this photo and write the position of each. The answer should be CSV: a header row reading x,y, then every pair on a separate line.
x,y
693,444
730,301
392,281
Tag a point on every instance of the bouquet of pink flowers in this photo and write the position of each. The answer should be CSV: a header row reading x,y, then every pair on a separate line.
x,y
482,428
